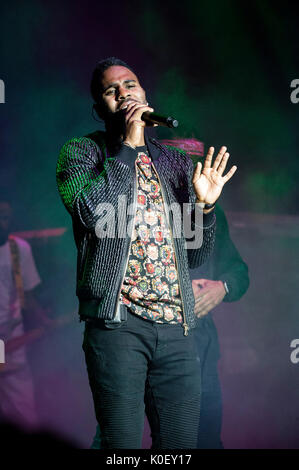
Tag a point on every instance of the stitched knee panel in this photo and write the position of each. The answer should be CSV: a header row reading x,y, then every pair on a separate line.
x,y
179,424
121,420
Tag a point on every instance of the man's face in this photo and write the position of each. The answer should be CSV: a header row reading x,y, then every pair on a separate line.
x,y
5,220
119,86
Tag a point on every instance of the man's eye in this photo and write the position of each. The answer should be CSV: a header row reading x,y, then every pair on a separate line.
x,y
131,86
109,92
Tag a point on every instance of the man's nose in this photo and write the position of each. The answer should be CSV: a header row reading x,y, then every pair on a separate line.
x,y
123,93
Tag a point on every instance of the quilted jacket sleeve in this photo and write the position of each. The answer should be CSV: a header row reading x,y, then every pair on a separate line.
x,y
85,189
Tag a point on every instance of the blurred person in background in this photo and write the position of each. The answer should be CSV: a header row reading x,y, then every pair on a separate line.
x,y
18,279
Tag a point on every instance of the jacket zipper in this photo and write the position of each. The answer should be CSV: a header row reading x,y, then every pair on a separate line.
x,y
185,324
128,252
86,253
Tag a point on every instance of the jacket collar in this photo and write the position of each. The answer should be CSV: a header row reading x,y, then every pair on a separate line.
x,y
153,147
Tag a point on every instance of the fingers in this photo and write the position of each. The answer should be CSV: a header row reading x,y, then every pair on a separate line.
x,y
197,172
126,105
219,157
230,173
202,313
221,166
133,105
203,305
200,300
201,310
136,110
209,157
220,163
220,160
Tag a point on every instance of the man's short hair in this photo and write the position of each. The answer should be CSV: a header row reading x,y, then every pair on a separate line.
x,y
96,79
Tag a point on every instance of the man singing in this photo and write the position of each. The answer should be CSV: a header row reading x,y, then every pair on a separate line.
x,y
133,284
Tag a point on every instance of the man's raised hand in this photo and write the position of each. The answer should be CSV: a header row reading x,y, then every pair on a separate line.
x,y
208,181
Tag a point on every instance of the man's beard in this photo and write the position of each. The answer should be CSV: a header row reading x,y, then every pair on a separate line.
x,y
116,128
116,123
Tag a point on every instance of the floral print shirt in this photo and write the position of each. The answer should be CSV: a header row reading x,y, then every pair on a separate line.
x,y
150,287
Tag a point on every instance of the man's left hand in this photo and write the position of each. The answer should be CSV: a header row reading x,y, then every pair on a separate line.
x,y
208,182
207,295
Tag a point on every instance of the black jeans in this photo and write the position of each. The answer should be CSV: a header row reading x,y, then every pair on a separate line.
x,y
140,367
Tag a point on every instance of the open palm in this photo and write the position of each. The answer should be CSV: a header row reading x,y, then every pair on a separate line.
x,y
208,182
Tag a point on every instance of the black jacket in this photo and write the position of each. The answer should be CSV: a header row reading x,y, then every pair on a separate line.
x,y
98,187
225,264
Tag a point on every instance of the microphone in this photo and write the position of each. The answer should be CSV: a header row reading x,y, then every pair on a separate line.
x,y
154,118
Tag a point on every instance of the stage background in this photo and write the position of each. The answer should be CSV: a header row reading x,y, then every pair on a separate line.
x,y
224,70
